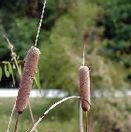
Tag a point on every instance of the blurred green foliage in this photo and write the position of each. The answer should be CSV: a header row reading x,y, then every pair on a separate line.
x,y
112,115
104,27
118,31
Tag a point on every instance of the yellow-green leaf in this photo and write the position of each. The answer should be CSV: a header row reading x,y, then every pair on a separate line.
x,y
7,73
37,79
0,73
11,72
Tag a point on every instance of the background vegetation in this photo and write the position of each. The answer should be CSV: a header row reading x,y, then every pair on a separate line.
x,y
105,28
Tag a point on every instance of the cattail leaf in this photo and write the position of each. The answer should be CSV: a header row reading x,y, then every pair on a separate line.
x,y
11,72
0,73
37,79
7,73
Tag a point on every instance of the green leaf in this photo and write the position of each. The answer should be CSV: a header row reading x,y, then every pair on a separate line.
x,y
37,79
20,70
11,72
7,73
10,68
0,73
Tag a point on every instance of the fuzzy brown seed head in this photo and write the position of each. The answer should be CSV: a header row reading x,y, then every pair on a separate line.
x,y
30,67
84,78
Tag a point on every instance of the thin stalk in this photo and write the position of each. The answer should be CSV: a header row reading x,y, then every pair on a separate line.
x,y
13,54
83,57
81,120
10,120
10,45
31,114
90,120
51,108
17,66
17,121
40,24
86,122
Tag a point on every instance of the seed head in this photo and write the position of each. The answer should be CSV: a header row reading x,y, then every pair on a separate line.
x,y
84,80
30,67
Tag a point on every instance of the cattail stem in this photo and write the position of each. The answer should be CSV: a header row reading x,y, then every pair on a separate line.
x,y
81,120
83,54
91,121
86,122
10,120
31,114
17,121
40,24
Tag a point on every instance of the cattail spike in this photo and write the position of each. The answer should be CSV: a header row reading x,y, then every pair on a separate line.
x,y
84,79
30,67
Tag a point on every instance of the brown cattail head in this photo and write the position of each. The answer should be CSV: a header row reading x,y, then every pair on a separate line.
x,y
30,67
84,78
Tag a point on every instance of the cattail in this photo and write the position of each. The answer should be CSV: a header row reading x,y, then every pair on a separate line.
x,y
30,67
84,79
